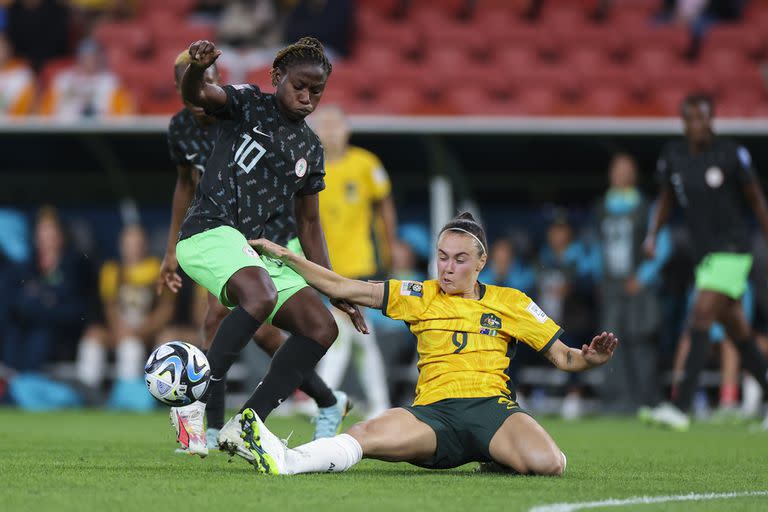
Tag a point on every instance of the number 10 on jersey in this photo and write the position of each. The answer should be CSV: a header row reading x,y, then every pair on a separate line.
x,y
244,152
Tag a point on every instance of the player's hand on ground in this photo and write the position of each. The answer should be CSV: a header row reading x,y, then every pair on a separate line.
x,y
168,275
354,313
268,248
203,53
649,246
601,349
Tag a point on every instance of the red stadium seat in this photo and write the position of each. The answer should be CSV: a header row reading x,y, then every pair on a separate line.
x,y
539,101
402,37
655,61
130,37
458,35
611,42
583,60
260,77
744,38
672,38
605,100
182,36
727,61
515,58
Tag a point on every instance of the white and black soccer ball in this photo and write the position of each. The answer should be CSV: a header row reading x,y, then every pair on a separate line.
x,y
177,373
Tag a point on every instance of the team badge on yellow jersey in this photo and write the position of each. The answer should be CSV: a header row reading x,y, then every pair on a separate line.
x,y
490,324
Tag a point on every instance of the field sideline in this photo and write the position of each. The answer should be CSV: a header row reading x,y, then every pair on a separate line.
x,y
86,460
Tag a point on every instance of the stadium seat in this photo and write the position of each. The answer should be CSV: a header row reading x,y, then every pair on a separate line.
x,y
260,77
744,38
511,58
672,38
182,36
401,37
458,35
605,100
129,37
537,101
654,61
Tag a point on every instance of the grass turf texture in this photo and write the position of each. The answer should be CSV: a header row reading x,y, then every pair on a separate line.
x,y
86,460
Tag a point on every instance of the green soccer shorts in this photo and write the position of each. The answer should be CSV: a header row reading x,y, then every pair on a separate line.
x,y
211,257
724,272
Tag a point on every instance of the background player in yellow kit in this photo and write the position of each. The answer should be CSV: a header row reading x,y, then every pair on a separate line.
x,y
465,407
356,198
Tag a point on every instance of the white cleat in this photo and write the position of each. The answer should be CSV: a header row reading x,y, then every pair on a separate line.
x,y
667,415
267,449
230,439
190,431
175,425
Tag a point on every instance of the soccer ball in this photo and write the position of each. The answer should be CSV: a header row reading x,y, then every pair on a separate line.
x,y
177,373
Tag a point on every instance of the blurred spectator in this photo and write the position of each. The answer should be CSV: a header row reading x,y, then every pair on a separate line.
x,y
331,21
629,304
699,15
17,83
38,29
248,34
563,291
506,269
48,306
134,316
86,90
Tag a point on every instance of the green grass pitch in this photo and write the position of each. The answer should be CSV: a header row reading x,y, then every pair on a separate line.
x,y
87,460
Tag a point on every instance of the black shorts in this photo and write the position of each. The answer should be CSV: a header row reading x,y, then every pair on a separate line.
x,y
464,428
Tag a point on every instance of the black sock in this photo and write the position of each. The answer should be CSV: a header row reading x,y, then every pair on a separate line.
x,y
754,362
234,333
214,408
295,360
694,364
316,388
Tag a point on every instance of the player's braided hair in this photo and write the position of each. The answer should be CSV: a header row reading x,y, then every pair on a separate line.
x,y
465,222
305,50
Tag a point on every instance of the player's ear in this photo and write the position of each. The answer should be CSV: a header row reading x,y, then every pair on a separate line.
x,y
481,262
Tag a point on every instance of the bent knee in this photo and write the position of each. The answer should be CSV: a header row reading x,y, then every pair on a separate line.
x,y
551,465
324,329
260,301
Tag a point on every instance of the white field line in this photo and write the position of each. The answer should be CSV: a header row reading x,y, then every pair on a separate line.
x,y
643,500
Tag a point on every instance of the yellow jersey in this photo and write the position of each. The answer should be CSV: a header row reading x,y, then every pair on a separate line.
x,y
465,346
132,287
352,185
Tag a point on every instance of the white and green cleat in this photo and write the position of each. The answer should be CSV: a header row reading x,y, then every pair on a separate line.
x,y
666,415
230,439
268,451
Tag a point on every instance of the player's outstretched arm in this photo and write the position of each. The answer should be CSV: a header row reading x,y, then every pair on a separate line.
x,y
194,88
597,353
326,281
